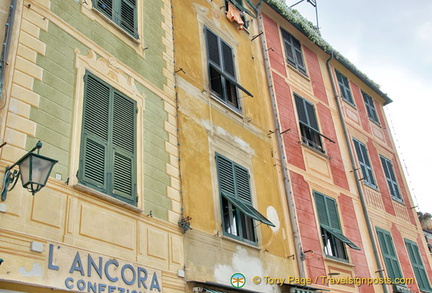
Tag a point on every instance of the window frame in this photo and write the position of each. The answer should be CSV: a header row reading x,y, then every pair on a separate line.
x,y
293,52
370,107
236,201
332,237
115,16
391,179
389,254
365,164
114,152
228,92
309,130
418,266
344,88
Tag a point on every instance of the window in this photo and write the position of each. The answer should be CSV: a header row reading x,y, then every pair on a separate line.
x,y
293,51
344,87
332,237
417,265
308,123
107,156
365,166
391,179
389,254
221,70
370,107
121,12
238,214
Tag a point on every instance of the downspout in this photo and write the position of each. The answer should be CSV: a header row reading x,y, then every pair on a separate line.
x,y
6,44
287,185
357,179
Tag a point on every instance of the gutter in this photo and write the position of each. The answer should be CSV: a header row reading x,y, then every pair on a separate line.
x,y
357,179
287,184
6,44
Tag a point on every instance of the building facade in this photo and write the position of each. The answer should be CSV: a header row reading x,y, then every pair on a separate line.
x,y
352,202
93,81
232,185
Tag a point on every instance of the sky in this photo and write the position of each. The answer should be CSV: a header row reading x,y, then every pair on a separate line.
x,y
391,42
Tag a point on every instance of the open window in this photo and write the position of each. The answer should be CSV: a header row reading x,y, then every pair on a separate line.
x,y
238,213
222,73
333,239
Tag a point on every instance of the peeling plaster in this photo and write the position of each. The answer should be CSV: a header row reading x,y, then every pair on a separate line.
x,y
249,266
273,217
36,271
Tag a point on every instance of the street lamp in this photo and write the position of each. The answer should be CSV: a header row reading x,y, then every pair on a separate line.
x,y
34,170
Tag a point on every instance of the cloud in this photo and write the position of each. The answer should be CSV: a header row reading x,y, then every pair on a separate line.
x,y
424,32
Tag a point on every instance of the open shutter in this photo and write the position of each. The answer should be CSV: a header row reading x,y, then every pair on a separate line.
x,y
128,16
123,142
242,184
289,49
93,169
321,209
298,55
226,175
228,60
104,6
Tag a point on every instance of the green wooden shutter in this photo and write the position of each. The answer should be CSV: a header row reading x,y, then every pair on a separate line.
x,y
389,254
417,265
242,184
321,207
364,162
225,175
104,6
94,150
128,16
123,142
344,87
391,178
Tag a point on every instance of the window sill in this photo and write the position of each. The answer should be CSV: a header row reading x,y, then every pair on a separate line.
x,y
374,188
298,72
349,103
107,198
398,200
314,150
375,122
115,25
222,105
236,241
340,261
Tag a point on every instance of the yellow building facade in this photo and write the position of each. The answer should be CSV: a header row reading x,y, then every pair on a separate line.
x,y
232,185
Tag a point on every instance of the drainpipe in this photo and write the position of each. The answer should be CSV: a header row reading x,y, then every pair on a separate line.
x,y
287,185
357,179
6,43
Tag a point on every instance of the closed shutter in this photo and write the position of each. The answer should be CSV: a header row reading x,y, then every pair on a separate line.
x,y
298,55
107,159
391,178
94,151
123,138
389,254
365,166
417,265
213,48
344,87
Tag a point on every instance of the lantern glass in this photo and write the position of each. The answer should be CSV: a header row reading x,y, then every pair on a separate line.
x,y
35,170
